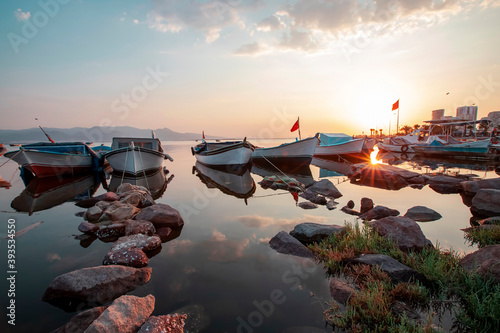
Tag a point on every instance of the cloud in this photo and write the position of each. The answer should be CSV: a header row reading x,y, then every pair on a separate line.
x,y
257,221
208,17
251,49
221,249
270,23
22,16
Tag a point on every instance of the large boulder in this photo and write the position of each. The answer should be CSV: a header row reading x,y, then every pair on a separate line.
x,y
445,184
384,176
485,261
112,230
161,215
307,205
118,211
396,271
108,196
325,187
140,241
88,228
158,324
96,285
125,315
133,257
313,232
486,203
405,232
422,214
139,199
286,244
473,186
379,212
366,205
139,227
80,322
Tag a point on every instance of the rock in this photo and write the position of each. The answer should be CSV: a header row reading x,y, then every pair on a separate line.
x,y
422,214
485,261
164,233
314,197
161,215
405,232
313,232
138,199
139,227
307,205
92,214
383,176
96,285
103,204
140,241
350,204
126,187
396,271
350,211
80,322
379,212
88,228
445,184
125,315
113,230
286,244
486,203
325,187
80,214
133,257
159,324
494,220
341,291
331,205
87,203
473,186
366,205
118,211
401,309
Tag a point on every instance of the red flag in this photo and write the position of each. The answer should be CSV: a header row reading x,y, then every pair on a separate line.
x,y
203,134
295,196
395,106
295,126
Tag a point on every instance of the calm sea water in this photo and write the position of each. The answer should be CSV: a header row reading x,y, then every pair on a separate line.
x,y
220,267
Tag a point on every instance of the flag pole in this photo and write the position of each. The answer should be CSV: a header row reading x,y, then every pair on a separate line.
x,y
397,128
298,119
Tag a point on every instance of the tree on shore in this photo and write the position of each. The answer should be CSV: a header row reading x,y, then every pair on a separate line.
x,y
407,129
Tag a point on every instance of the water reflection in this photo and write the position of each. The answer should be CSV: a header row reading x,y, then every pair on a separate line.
x,y
239,184
45,193
293,169
332,167
156,181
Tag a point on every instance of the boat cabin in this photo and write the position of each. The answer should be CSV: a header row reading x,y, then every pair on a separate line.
x,y
146,143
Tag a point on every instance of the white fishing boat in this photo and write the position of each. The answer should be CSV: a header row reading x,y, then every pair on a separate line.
x,y
136,155
47,159
297,150
479,150
223,154
339,144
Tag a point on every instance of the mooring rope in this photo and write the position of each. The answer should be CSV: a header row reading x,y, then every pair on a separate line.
x,y
283,180
143,170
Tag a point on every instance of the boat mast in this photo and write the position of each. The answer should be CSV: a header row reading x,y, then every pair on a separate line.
x,y
298,119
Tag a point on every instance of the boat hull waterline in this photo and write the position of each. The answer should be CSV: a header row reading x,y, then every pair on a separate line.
x,y
302,150
237,154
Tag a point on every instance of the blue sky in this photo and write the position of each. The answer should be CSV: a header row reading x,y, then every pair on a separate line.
x,y
245,67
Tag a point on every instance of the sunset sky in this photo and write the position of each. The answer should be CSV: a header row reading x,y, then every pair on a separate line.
x,y
246,67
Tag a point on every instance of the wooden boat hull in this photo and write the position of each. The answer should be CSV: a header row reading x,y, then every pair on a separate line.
x,y
236,154
395,148
135,160
476,153
46,164
300,150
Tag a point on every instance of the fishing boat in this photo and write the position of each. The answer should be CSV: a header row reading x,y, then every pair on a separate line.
x,y
300,150
46,159
340,144
224,154
477,150
136,156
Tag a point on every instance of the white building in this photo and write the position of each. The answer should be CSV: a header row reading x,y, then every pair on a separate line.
x,y
467,112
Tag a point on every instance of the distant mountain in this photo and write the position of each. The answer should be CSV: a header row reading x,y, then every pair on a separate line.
x,y
93,134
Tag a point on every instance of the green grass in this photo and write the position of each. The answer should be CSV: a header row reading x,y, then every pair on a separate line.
x,y
482,237
474,300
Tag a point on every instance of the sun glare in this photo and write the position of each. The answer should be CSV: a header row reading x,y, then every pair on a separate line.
x,y
373,156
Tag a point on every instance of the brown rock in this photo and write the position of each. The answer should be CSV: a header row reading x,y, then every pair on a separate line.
x,y
341,291
366,205
286,244
486,203
113,230
88,228
80,322
379,212
161,215
485,261
133,257
108,196
140,241
307,205
159,324
118,211
405,232
125,315
139,227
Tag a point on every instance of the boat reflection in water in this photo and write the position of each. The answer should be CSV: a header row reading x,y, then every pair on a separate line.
x,y
155,181
333,167
239,184
298,169
393,158
47,192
